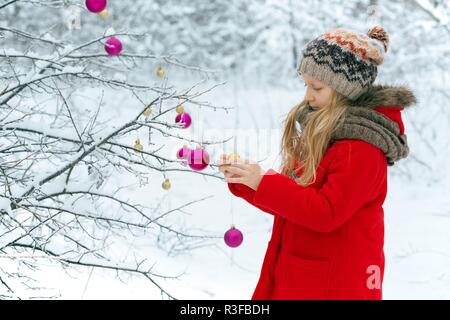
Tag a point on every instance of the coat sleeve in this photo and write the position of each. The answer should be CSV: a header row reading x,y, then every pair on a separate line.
x,y
353,178
242,191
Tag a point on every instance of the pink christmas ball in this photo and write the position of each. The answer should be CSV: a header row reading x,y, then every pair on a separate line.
x,y
198,159
96,6
233,237
185,120
183,153
113,46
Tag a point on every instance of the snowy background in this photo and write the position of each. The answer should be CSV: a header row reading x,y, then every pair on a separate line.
x,y
240,59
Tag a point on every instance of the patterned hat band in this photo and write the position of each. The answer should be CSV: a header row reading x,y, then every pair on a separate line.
x,y
345,60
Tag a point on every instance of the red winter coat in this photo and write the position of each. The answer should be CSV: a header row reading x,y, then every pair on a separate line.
x,y
327,239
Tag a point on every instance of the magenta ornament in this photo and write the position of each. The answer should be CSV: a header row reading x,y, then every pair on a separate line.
x,y
96,6
113,46
184,119
183,153
198,159
233,237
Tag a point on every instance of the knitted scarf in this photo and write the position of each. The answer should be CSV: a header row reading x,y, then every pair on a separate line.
x,y
364,123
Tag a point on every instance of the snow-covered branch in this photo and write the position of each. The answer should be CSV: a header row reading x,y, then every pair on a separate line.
x,y
64,159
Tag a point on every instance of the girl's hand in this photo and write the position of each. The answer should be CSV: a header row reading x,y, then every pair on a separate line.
x,y
241,171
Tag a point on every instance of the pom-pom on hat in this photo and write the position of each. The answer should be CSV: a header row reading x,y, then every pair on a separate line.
x,y
345,60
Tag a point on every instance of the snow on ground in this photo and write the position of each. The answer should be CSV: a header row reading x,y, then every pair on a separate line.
x,y
417,219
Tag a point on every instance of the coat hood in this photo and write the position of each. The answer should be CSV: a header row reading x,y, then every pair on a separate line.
x,y
388,100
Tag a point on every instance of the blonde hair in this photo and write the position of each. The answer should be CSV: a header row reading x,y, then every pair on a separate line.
x,y
305,151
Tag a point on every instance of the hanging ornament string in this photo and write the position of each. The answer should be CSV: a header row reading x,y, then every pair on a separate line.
x,y
198,125
234,237
164,86
231,209
205,154
202,121
113,18
166,186
235,139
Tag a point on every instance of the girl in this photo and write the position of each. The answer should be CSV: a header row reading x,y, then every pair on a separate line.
x,y
328,232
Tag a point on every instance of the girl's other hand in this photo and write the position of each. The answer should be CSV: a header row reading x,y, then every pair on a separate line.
x,y
241,171
224,166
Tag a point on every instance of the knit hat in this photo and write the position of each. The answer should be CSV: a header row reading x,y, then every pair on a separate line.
x,y
345,60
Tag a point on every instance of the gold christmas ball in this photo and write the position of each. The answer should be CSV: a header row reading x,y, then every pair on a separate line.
x,y
180,109
234,156
160,72
104,14
138,146
147,112
166,184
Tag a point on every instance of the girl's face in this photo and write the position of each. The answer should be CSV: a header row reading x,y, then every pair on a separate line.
x,y
318,94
